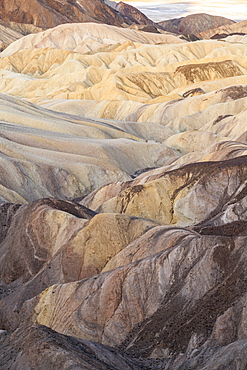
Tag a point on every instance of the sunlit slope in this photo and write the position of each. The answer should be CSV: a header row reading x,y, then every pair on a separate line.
x,y
135,66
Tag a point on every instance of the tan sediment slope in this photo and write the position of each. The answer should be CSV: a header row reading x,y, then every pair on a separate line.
x,y
73,37
166,103
52,154
139,147
126,61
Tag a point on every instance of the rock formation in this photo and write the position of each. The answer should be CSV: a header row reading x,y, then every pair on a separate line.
x,y
195,23
50,13
224,31
133,13
22,28
11,31
123,196
7,36
58,351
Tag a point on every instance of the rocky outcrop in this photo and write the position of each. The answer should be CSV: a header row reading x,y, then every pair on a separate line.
x,y
55,235
224,31
11,31
7,36
176,193
195,24
50,13
133,13
183,289
167,280
208,71
21,28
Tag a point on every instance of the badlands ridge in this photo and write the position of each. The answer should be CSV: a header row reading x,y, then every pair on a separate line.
x,y
123,195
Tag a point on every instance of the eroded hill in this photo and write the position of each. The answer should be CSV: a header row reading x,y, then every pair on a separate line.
x,y
123,201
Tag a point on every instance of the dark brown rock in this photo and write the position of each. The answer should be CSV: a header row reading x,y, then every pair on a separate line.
x,y
133,13
220,36
42,348
189,37
193,92
234,93
149,28
73,208
236,228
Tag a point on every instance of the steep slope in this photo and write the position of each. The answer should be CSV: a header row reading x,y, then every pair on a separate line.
x,y
133,13
176,194
22,349
21,28
11,31
7,36
50,13
190,281
166,303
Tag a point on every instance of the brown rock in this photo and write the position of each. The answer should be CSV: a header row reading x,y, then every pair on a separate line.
x,y
21,28
234,93
133,13
194,23
193,92
57,244
225,30
50,13
187,195
7,36
173,294
41,348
